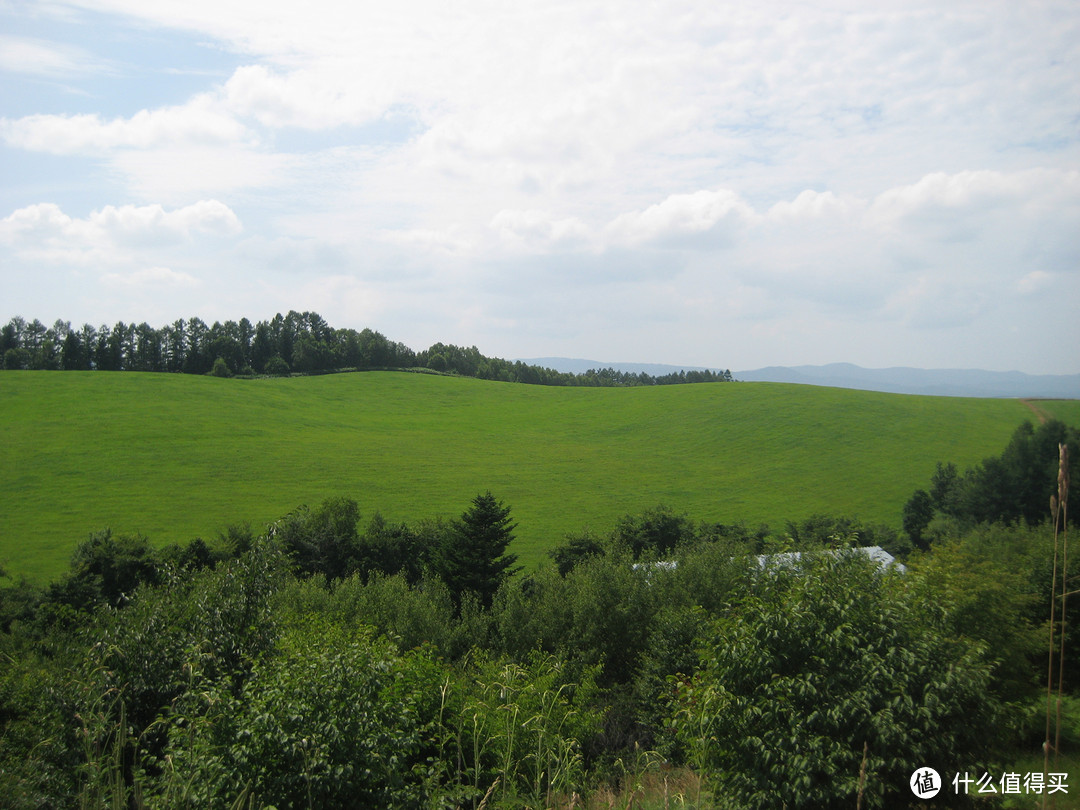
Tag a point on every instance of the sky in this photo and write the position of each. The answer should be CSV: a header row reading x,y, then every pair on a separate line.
x,y
720,184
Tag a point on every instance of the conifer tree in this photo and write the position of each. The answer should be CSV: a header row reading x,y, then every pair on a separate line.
x,y
475,559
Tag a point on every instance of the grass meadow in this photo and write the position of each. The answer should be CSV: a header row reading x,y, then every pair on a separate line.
x,y
176,457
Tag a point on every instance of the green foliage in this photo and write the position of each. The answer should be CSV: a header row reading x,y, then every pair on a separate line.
x,y
413,552
216,623
654,534
303,338
475,559
918,512
106,568
323,540
597,615
577,549
669,654
16,359
1012,487
520,729
85,708
333,718
990,596
244,681
39,760
829,531
221,368
19,604
823,658
276,366
411,614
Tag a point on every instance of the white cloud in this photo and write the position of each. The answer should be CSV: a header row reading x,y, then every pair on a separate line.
x,y
703,218
179,174
151,278
814,206
45,232
196,122
952,206
154,223
961,197
538,231
307,99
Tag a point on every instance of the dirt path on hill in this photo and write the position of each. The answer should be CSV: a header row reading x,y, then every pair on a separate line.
x,y
1040,414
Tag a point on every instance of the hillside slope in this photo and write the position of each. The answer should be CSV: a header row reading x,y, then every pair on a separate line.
x,y
176,457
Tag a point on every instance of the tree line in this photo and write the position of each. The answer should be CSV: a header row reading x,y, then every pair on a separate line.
x,y
1013,487
299,342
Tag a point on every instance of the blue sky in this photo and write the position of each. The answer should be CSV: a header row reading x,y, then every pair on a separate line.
x,y
719,184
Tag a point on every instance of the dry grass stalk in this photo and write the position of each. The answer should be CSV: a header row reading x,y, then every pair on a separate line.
x,y
862,775
490,790
1059,510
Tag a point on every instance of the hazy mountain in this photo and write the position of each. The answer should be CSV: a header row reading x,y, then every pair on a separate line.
x,y
901,380
941,382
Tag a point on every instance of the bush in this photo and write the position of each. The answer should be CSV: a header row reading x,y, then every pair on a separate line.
x,y
220,369
410,615
277,366
334,718
823,657
323,540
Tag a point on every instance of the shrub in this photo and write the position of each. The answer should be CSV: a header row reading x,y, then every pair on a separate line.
x,y
824,660
220,369
333,718
277,366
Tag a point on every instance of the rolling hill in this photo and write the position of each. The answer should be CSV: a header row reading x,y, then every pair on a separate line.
x,y
899,380
177,456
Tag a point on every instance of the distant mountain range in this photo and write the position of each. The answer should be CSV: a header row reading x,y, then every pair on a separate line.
x,y
937,382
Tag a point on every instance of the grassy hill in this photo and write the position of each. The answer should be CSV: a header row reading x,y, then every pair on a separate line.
x,y
175,457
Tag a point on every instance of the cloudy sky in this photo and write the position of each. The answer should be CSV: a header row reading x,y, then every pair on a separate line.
x,y
724,184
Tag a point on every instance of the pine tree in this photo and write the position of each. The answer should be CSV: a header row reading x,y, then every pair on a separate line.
x,y
475,559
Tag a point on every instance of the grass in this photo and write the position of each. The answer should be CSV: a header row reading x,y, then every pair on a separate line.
x,y
1067,410
175,457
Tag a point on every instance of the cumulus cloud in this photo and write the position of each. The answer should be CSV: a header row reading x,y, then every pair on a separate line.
x,y
702,218
948,206
955,204
44,231
814,206
153,223
196,122
305,99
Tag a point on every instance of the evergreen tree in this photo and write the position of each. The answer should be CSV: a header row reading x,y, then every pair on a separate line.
x,y
475,559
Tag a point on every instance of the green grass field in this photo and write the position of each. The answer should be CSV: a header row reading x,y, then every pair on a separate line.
x,y
176,457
